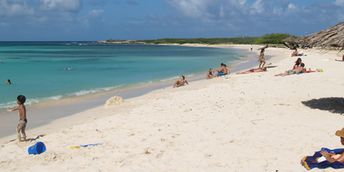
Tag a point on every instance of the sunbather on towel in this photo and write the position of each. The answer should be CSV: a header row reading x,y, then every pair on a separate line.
x,y
341,60
296,70
332,158
254,70
296,53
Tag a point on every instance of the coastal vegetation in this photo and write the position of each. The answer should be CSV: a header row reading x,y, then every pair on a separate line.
x,y
276,38
331,38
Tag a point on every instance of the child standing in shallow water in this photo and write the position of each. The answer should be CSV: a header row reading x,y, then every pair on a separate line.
x,y
21,135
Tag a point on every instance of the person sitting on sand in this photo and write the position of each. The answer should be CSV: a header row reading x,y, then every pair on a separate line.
x,y
180,82
331,158
210,74
264,69
297,63
224,70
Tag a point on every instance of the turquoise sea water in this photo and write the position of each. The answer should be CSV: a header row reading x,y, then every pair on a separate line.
x,y
53,70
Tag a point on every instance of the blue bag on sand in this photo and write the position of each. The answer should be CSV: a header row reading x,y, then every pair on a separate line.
x,y
37,148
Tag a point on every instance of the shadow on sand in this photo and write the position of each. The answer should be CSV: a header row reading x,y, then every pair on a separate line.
x,y
29,139
332,104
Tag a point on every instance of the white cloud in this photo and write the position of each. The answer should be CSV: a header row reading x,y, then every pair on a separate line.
x,y
192,8
257,7
340,3
222,12
4,24
291,7
96,12
208,9
17,8
277,11
63,5
242,2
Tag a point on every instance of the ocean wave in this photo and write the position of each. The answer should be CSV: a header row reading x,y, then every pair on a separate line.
x,y
92,91
31,101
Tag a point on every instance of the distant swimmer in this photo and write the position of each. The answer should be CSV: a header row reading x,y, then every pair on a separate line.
x,y
68,68
8,82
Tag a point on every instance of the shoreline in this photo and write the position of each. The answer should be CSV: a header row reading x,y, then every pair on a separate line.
x,y
72,105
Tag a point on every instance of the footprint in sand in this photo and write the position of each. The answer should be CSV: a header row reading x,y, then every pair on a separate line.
x,y
160,154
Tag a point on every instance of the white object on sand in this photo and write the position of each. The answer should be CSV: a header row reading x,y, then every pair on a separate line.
x,y
321,159
115,100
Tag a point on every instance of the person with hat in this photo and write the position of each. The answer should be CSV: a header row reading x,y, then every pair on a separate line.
x,y
331,158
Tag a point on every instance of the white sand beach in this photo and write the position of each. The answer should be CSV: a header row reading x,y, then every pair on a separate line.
x,y
243,123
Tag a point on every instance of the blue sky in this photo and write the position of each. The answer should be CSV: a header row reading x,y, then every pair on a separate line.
x,y
149,19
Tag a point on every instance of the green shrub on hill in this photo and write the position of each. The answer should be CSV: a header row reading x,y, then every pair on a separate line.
x,y
275,38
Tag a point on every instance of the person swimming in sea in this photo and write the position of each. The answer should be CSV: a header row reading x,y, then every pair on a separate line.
x,y
8,82
68,68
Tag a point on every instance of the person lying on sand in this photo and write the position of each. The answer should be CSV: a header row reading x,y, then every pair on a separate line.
x,y
210,74
296,53
299,70
180,82
264,69
224,70
296,70
326,158
341,60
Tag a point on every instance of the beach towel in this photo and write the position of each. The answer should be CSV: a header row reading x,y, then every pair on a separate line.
x,y
310,162
84,145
